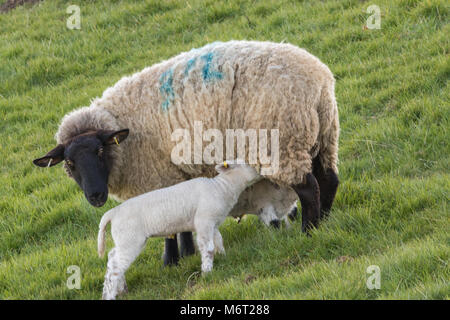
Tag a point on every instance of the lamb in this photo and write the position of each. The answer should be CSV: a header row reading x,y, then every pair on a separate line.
x,y
271,203
201,205
121,144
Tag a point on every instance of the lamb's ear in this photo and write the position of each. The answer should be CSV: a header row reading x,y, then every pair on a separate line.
x,y
222,167
53,157
112,136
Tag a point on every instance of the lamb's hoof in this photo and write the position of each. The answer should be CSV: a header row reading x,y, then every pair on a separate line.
x,y
206,268
108,297
124,290
219,251
275,224
205,273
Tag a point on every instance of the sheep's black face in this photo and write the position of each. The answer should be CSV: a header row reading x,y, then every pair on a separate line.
x,y
88,161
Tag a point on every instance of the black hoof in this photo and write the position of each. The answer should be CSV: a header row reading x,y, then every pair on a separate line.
x,y
306,229
275,224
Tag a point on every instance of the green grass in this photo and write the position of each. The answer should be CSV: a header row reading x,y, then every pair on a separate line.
x,y
391,209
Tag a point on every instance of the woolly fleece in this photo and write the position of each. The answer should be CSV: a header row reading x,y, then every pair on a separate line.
x,y
226,85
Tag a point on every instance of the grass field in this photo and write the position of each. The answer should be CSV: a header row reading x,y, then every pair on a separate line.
x,y
392,207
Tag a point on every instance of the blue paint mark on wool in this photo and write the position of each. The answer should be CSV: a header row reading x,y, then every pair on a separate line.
x,y
166,88
208,73
166,78
190,64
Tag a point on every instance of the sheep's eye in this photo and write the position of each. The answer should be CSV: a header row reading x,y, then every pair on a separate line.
x,y
69,164
100,152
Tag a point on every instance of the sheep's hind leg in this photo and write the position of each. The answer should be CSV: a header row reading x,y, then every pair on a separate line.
x,y
328,184
171,255
186,244
309,194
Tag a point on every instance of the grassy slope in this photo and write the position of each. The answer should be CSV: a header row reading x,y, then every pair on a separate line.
x,y
392,206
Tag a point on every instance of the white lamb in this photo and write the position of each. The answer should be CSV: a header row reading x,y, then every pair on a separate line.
x,y
270,202
200,205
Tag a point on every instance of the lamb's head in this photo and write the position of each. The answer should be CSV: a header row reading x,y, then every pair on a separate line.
x,y
239,171
88,161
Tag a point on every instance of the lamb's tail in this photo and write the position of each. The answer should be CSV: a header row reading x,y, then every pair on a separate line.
x,y
102,232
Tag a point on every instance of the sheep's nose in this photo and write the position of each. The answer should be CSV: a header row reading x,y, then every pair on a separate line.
x,y
97,199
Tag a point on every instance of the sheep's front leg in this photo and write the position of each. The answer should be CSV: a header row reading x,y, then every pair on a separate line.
x,y
205,241
186,244
171,255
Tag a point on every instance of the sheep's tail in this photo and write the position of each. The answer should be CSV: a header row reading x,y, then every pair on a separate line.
x,y
107,217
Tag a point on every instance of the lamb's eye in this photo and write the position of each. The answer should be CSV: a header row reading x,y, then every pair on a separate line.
x,y
100,152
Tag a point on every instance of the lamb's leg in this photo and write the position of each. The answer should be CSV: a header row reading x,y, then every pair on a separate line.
x,y
119,260
205,241
328,183
186,244
115,275
218,242
111,283
171,255
286,222
309,194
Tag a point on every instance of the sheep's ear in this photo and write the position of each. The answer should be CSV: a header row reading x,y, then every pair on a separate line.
x,y
222,167
112,136
53,157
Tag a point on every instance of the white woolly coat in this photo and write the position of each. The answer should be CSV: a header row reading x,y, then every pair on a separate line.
x,y
230,85
200,204
266,200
